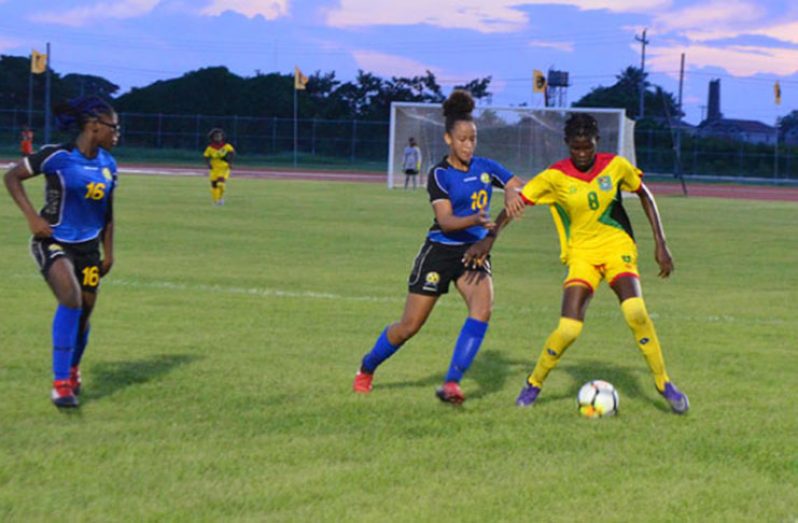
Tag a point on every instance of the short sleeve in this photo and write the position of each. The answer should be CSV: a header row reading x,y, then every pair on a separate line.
x,y
229,148
43,160
436,185
539,190
499,174
208,152
630,176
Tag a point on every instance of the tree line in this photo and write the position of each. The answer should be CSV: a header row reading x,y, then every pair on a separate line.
x,y
216,91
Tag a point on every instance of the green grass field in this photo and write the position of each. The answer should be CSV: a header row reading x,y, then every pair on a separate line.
x,y
217,383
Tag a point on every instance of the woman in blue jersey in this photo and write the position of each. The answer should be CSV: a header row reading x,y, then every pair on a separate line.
x,y
460,189
76,218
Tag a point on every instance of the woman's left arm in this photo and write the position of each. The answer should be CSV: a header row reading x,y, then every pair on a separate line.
x,y
661,253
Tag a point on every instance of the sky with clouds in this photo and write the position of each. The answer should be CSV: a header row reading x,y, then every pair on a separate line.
x,y
747,44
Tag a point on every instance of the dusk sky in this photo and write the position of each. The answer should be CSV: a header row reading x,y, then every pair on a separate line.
x,y
747,44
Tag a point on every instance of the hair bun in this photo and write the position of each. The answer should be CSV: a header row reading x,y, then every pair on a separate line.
x,y
459,103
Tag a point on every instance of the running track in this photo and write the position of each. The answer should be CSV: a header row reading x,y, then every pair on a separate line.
x,y
750,192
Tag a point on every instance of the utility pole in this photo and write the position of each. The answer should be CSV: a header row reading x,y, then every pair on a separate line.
x,y
677,146
644,42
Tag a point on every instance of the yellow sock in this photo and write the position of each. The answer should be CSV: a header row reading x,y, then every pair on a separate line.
x,y
220,188
636,315
563,336
214,194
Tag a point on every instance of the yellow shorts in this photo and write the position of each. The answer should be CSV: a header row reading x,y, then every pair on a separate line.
x,y
220,175
589,270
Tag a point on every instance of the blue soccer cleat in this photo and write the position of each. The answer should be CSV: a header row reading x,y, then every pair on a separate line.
x,y
527,396
676,398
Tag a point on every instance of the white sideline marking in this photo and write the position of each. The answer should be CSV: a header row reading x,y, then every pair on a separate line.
x,y
452,302
249,291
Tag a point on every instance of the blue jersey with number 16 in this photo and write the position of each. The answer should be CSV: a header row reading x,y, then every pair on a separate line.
x,y
78,190
469,192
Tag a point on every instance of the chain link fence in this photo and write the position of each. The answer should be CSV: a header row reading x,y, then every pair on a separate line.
x,y
358,144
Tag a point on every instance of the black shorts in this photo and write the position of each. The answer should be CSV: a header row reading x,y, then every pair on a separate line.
x,y
411,172
437,265
85,258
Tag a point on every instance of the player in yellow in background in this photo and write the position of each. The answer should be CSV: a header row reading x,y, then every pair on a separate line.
x,y
584,195
219,154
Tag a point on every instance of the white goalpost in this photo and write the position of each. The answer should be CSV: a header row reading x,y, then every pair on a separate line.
x,y
523,139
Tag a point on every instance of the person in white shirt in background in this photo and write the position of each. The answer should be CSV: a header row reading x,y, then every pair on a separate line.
x,y
411,162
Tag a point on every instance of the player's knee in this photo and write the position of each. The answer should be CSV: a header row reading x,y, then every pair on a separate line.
x,y
635,313
481,313
569,329
70,299
406,329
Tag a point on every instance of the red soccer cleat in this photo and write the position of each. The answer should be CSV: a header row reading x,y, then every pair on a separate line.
x,y
362,383
62,395
450,392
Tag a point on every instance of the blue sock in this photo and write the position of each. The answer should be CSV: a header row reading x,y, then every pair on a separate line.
x,y
466,348
65,335
381,351
83,340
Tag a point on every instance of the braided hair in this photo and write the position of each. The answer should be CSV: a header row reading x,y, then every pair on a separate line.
x,y
75,113
458,107
581,124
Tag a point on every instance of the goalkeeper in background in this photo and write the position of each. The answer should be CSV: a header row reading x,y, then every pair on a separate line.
x,y
219,154
411,162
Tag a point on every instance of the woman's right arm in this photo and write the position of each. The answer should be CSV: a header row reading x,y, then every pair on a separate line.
x,y
450,222
13,179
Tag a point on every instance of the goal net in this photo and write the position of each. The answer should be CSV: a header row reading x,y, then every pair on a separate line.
x,y
524,140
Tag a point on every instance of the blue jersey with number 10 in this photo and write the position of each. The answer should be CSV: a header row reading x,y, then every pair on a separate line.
x,y
78,190
469,192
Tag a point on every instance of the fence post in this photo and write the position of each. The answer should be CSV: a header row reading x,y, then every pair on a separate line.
x,y
274,135
741,155
158,140
313,139
197,132
354,138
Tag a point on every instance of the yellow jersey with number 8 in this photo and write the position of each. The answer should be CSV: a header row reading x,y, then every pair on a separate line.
x,y
587,206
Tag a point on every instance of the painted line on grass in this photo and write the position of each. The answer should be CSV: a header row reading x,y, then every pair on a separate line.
x,y
451,303
263,292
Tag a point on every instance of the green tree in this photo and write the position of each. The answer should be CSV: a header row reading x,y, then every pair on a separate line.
x,y
625,94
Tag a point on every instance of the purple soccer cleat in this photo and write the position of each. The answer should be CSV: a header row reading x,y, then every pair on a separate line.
x,y
527,396
676,398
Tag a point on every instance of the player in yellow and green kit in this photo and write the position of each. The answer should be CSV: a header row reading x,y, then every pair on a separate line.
x,y
219,154
597,243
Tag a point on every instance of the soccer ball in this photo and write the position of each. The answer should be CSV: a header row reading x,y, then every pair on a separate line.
x,y
597,399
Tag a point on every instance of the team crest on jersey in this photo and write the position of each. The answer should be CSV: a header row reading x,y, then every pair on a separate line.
x,y
626,258
605,183
484,178
107,173
431,281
